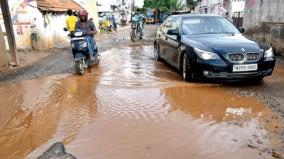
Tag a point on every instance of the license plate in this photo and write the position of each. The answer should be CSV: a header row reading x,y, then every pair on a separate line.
x,y
244,68
78,33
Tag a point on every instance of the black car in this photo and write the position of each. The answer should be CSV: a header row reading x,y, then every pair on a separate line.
x,y
211,47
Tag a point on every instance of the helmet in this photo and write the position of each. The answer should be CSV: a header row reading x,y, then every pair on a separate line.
x,y
83,15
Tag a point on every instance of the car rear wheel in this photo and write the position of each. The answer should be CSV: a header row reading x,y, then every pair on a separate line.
x,y
157,52
186,71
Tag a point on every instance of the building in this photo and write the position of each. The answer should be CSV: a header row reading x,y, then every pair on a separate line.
x,y
238,8
218,7
237,12
108,7
232,9
45,19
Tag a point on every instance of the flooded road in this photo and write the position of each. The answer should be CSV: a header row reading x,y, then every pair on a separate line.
x,y
133,107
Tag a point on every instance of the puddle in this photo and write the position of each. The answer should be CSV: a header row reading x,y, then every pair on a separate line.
x,y
132,107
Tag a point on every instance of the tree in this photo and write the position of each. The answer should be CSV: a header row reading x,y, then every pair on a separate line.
x,y
190,4
164,5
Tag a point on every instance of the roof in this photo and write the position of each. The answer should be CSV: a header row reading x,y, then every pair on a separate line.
x,y
57,5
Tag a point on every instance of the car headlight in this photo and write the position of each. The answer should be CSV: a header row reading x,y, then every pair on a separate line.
x,y
205,55
269,54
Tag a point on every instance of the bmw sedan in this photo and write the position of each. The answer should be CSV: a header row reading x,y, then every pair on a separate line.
x,y
211,47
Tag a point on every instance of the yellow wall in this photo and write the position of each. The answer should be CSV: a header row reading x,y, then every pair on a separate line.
x,y
92,9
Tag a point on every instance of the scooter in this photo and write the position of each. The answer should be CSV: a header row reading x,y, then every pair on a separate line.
x,y
80,51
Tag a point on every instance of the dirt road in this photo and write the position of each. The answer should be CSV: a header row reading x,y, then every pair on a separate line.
x,y
133,107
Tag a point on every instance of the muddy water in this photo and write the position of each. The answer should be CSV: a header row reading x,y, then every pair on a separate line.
x,y
133,107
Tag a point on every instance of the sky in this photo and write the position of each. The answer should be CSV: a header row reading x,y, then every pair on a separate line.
x,y
139,3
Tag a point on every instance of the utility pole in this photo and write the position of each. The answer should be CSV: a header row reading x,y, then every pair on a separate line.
x,y
132,8
9,31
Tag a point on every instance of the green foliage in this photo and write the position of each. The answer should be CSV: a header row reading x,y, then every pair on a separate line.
x,y
190,3
164,5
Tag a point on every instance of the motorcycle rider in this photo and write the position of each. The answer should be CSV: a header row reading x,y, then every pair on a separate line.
x,y
88,27
138,17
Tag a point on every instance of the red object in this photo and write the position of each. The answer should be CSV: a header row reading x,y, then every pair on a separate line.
x,y
83,13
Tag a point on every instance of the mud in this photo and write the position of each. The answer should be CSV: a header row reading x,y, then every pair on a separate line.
x,y
133,107
60,61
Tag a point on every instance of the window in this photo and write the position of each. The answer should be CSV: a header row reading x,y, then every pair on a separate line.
x,y
207,25
174,23
166,25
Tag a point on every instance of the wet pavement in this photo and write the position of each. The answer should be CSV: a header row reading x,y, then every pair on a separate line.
x,y
131,106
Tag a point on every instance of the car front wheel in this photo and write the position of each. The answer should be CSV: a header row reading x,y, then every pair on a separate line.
x,y
186,72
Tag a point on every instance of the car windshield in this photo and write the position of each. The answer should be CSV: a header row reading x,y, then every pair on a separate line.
x,y
207,25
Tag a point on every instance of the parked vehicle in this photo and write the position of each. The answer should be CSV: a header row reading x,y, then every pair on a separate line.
x,y
106,25
150,17
136,32
81,52
150,20
211,47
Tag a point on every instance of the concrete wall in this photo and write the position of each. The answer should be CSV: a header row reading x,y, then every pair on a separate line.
x,y
49,27
264,20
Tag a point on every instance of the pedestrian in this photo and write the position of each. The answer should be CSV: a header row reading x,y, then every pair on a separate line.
x,y
34,35
71,21
113,21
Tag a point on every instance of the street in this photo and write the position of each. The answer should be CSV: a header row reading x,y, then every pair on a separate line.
x,y
130,106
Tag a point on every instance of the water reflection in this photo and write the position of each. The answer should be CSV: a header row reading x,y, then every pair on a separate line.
x,y
177,121
132,107
45,111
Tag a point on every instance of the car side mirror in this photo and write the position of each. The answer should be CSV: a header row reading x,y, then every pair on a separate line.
x,y
242,29
65,29
173,32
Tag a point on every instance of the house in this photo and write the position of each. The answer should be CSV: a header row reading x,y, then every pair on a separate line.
x,y
46,18
219,7
232,9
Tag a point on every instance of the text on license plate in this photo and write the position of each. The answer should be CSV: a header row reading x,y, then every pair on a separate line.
x,y
243,68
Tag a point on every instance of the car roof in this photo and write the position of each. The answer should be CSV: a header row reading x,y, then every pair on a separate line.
x,y
195,15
